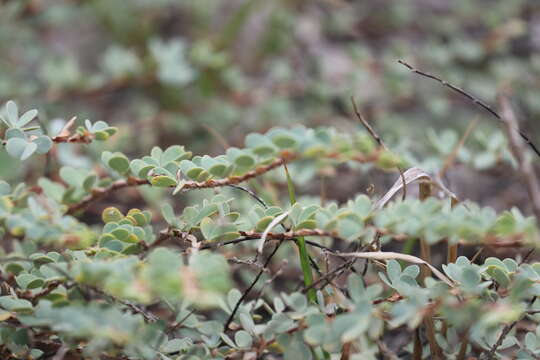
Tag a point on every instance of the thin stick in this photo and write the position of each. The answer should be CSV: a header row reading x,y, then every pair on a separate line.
x,y
472,98
367,126
417,348
505,331
245,294
251,193
452,157
378,139
518,150
425,250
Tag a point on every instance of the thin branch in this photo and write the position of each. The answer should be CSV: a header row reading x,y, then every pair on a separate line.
x,y
367,126
34,298
505,331
174,326
246,292
286,236
251,193
517,147
330,276
66,136
292,235
189,185
379,141
472,98
452,157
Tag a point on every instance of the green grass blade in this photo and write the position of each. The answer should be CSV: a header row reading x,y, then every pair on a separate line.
x,y
302,250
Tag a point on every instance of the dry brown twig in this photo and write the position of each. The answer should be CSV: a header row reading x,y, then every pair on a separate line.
x,y
379,141
449,161
517,147
472,98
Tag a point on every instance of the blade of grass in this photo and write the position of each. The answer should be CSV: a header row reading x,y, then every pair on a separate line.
x,y
301,243
425,251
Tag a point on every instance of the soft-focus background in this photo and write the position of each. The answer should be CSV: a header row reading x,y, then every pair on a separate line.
x,y
203,73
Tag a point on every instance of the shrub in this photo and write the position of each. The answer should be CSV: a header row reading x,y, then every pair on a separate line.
x,y
128,288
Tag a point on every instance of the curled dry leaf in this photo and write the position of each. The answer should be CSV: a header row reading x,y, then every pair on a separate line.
x,y
411,175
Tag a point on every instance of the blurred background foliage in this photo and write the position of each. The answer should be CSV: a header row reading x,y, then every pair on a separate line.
x,y
204,73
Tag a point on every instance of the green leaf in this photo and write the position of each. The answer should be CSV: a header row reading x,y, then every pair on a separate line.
x,y
19,148
308,224
203,176
208,228
41,259
233,297
297,349
72,176
388,160
140,168
28,281
213,273
27,117
176,345
168,214
260,144
174,153
16,305
15,133
349,229
506,223
43,143
89,182
162,181
119,162
121,234
263,223
12,112
499,275
284,141
243,339
14,268
245,161
111,130
241,158
247,323
101,135
219,170
139,217
111,214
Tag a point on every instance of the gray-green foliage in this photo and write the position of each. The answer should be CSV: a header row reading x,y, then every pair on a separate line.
x,y
128,288
178,67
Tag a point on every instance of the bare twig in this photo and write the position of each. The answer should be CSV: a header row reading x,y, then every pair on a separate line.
x,y
246,292
505,331
367,126
379,141
251,193
452,157
172,328
66,136
472,98
328,277
517,147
